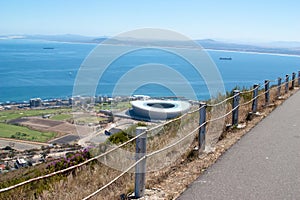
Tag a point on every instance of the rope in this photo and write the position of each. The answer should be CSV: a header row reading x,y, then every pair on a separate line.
x,y
248,91
225,100
273,81
246,103
263,93
282,83
223,116
265,83
72,167
115,179
177,142
170,121
143,158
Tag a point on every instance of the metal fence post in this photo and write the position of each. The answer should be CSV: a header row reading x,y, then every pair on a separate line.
x,y
235,104
255,100
140,168
298,78
267,92
293,80
202,120
279,87
286,83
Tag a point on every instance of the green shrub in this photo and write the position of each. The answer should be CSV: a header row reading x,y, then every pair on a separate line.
x,y
119,137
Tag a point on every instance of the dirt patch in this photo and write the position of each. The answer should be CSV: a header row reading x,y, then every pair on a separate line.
x,y
47,125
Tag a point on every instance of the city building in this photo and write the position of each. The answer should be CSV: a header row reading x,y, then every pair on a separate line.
x,y
20,162
35,102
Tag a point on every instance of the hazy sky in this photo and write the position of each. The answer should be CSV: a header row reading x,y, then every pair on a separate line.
x,y
247,20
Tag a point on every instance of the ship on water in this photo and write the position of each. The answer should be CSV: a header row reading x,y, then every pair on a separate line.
x,y
225,58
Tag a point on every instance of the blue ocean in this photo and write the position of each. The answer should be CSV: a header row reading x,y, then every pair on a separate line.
x,y
32,68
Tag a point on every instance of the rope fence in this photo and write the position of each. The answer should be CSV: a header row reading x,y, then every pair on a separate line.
x,y
223,116
251,90
222,102
200,129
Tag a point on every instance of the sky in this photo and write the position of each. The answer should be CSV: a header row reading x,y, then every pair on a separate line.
x,y
237,20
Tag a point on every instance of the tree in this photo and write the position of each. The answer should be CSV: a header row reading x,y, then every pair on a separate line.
x,y
44,154
8,148
11,154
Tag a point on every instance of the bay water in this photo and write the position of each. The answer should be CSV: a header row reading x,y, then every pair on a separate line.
x,y
44,69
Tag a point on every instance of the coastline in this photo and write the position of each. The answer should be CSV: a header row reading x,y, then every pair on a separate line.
x,y
203,48
254,52
210,49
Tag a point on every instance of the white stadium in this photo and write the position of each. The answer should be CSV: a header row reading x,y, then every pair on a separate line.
x,y
159,109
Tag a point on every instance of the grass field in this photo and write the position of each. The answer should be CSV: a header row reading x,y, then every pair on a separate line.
x,y
122,105
24,133
114,106
61,117
90,119
14,114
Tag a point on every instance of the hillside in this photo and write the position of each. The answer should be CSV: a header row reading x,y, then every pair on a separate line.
x,y
278,47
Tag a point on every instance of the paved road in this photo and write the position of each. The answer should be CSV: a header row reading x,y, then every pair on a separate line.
x,y
264,164
18,145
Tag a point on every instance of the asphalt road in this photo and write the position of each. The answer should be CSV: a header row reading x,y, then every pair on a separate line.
x,y
18,145
264,164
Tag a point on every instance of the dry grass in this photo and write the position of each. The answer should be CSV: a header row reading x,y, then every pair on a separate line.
x,y
76,185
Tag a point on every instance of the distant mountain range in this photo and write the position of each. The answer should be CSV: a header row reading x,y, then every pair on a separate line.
x,y
273,47
57,38
280,47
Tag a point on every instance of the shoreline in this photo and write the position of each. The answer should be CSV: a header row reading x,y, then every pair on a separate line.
x,y
254,52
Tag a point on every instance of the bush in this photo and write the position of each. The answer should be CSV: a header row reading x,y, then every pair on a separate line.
x,y
119,137
70,160
141,124
8,148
